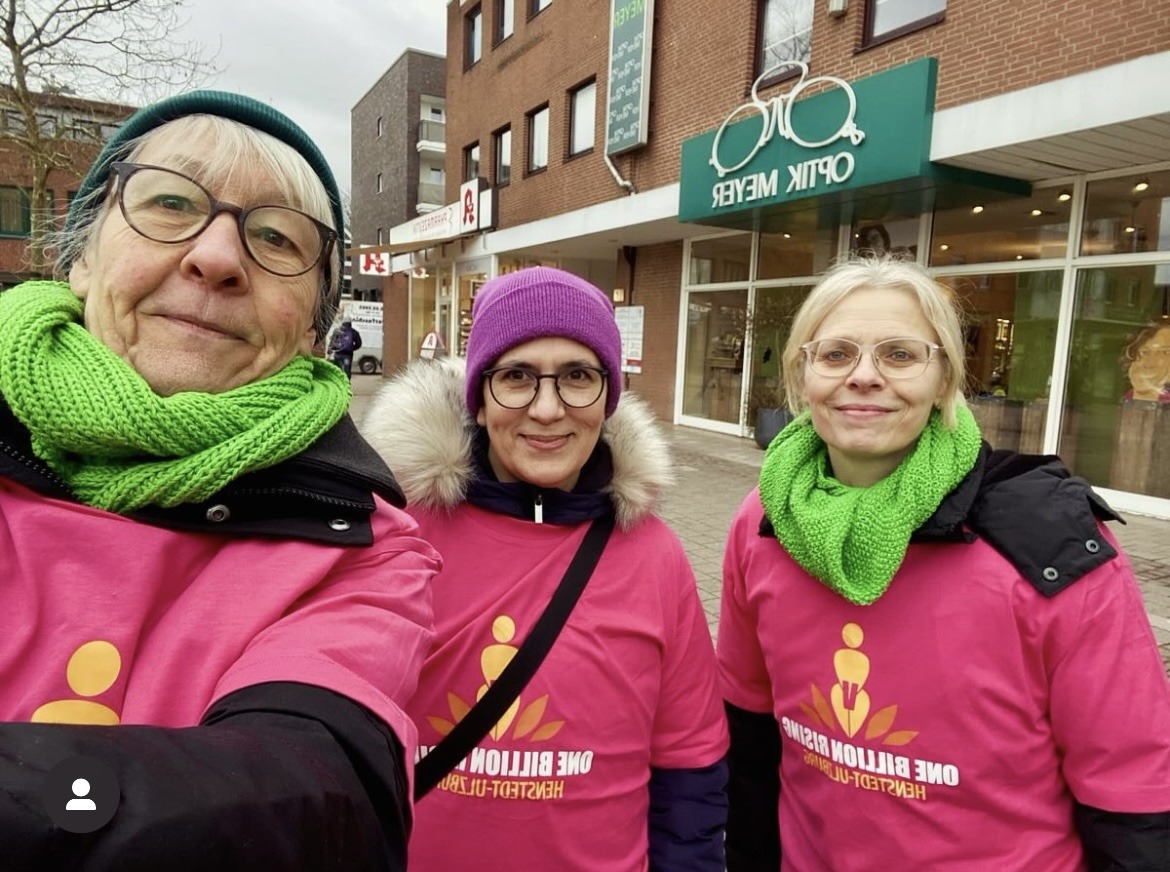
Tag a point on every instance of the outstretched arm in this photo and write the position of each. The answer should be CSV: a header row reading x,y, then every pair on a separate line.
x,y
279,776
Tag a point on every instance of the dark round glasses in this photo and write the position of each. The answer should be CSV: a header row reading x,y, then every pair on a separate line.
x,y
515,387
166,206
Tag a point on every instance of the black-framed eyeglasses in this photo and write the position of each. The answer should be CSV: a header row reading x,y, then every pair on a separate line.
x,y
166,206
894,358
515,387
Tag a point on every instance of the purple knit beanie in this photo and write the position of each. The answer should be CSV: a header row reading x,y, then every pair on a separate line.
x,y
532,303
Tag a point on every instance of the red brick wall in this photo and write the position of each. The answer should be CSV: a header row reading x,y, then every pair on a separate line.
x,y
657,278
14,172
395,322
703,67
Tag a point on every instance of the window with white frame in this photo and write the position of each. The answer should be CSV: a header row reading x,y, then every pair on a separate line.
x,y
538,139
505,19
890,18
502,147
784,34
473,37
582,112
471,162
537,5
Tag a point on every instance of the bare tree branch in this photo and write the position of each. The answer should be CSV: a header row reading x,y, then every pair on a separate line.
x,y
112,51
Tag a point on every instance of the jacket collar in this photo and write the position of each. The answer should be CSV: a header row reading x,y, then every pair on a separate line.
x,y
418,423
324,494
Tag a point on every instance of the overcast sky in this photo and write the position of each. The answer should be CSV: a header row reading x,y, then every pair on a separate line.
x,y
313,59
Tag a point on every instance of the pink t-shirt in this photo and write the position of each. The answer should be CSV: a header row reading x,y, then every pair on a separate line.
x,y
561,784
950,724
108,620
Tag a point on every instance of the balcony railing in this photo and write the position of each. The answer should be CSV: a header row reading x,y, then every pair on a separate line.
x,y
432,137
432,192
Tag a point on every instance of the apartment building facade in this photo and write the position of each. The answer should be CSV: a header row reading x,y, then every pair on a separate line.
x,y
398,160
705,163
74,129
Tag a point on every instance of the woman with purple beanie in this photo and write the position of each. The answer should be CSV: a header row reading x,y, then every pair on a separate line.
x,y
611,757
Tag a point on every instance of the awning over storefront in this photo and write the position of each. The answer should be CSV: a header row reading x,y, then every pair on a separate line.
x,y
827,149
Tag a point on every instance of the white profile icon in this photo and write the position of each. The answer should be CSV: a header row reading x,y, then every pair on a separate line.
x,y
79,803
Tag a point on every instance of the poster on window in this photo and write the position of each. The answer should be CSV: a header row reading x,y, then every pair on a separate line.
x,y
630,321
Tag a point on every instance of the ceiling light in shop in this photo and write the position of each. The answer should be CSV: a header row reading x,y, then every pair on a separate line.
x,y
787,235
976,209
1141,185
1064,196
1130,229
1019,257
1036,212
944,246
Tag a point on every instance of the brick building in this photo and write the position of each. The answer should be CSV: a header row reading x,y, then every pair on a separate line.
x,y
1020,151
398,149
76,128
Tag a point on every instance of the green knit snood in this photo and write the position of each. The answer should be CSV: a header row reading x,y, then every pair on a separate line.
x,y
853,539
120,446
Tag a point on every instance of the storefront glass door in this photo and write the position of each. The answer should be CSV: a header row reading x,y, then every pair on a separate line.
x,y
713,356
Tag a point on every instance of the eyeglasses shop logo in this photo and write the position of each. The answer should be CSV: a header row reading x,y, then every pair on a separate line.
x,y
775,120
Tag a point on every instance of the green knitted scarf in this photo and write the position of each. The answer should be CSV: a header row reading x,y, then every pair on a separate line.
x,y
119,445
853,539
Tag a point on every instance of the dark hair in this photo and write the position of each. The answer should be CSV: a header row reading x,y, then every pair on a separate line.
x,y
881,231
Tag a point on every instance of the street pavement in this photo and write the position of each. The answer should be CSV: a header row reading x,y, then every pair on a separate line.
x,y
715,472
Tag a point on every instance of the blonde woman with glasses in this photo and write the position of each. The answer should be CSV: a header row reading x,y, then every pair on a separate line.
x,y
933,655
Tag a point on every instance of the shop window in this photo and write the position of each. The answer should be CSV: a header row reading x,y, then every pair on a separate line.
x,y
769,326
723,259
1127,214
14,212
502,149
798,250
472,37
1028,228
505,19
898,237
471,162
889,19
582,113
1116,429
538,140
713,356
1010,338
783,34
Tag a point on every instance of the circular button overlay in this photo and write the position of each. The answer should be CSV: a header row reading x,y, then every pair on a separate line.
x,y
81,794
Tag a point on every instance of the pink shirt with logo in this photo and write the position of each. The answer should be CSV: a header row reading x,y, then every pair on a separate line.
x,y
561,784
107,620
951,724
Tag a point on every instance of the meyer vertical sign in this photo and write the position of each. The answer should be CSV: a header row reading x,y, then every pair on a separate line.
x,y
631,35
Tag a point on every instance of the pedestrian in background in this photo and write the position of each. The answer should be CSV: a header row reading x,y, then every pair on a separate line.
x,y
209,584
611,758
345,341
934,655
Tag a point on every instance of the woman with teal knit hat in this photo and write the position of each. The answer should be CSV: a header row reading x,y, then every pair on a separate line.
x,y
210,586
933,655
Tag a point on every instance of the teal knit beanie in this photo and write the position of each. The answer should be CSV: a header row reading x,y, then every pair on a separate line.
x,y
234,107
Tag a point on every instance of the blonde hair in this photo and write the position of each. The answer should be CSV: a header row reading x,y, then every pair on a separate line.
x,y
880,273
240,152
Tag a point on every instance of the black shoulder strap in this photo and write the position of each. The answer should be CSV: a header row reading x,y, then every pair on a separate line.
x,y
503,692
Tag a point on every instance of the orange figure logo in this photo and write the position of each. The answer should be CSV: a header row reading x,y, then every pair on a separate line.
x,y
493,661
848,704
92,670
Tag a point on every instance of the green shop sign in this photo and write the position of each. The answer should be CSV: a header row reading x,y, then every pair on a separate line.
x,y
824,142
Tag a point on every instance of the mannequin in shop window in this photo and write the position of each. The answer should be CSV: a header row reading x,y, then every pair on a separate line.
x,y
1148,362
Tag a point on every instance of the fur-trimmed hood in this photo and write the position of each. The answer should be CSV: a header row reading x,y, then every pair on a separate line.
x,y
418,423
